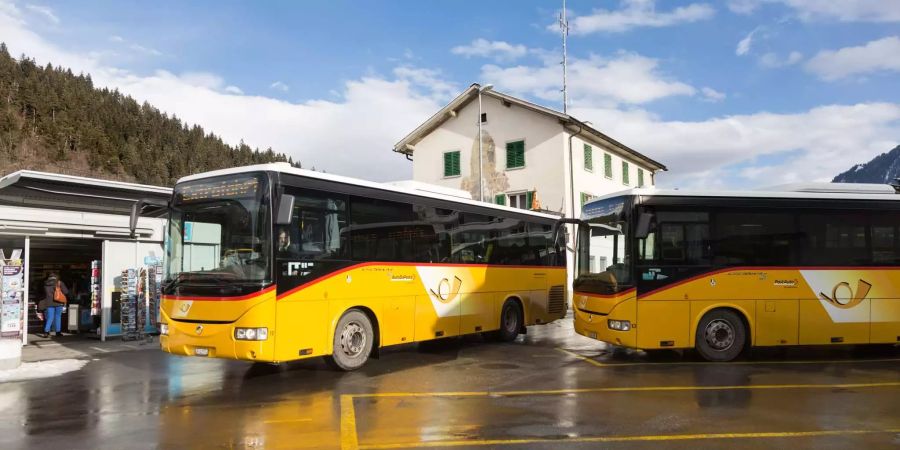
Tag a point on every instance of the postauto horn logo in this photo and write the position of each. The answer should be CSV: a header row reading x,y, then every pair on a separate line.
x,y
847,301
445,292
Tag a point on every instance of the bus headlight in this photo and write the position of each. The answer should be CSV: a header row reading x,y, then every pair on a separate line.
x,y
619,325
251,334
163,329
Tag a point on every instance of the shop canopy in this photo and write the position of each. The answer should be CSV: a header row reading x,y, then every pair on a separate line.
x,y
50,190
37,203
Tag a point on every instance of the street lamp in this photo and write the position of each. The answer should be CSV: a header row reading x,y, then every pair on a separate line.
x,y
481,89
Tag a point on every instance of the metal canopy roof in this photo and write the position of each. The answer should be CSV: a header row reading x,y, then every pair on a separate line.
x,y
66,192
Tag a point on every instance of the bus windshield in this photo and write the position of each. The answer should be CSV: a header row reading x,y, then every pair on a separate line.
x,y
604,263
218,237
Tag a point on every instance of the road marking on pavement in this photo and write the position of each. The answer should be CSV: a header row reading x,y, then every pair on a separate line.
x,y
638,438
582,357
592,361
350,439
103,350
306,419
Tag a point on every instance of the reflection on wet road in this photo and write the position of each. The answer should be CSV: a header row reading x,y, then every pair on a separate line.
x,y
550,389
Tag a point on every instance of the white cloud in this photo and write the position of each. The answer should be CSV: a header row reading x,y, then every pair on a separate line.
x,y
627,78
147,50
712,95
117,39
231,89
772,60
875,56
756,149
498,50
350,135
840,10
636,14
44,11
280,86
744,45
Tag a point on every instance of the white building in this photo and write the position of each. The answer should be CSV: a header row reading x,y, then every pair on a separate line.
x,y
532,156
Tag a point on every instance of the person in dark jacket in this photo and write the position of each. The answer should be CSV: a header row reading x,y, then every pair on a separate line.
x,y
52,309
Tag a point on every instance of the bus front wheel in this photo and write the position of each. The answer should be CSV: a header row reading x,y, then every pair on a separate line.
x,y
511,320
721,336
353,339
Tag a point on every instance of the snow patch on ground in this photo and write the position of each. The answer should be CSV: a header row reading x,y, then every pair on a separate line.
x,y
41,369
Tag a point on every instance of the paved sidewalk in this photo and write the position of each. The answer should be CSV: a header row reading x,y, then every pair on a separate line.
x,y
79,347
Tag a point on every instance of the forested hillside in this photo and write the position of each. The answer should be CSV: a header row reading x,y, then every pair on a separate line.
x,y
56,121
884,168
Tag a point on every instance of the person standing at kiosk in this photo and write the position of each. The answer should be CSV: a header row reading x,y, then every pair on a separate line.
x,y
53,307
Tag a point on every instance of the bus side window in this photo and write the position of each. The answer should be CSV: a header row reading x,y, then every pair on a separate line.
x,y
317,228
683,239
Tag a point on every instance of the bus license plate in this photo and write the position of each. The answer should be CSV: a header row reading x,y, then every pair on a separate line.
x,y
201,351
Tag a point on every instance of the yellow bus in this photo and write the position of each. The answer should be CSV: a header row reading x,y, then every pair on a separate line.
x,y
815,264
271,263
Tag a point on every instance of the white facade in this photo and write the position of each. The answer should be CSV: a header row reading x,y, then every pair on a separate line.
x,y
556,176
547,138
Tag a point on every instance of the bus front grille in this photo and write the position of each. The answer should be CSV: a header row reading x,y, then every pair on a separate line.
x,y
556,301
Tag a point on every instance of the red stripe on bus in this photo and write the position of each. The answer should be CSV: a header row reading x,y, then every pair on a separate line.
x,y
768,269
403,264
221,299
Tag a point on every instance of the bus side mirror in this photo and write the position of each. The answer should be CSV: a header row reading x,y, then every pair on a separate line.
x,y
285,209
137,208
643,225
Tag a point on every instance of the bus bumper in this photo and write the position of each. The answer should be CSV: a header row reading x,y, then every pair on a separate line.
x,y
215,340
596,326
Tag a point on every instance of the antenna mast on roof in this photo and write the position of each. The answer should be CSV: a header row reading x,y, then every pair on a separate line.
x,y
564,28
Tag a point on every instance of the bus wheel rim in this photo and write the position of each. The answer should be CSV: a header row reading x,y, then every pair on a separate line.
x,y
720,334
509,319
353,339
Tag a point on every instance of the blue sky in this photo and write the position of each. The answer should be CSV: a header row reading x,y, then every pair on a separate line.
x,y
737,93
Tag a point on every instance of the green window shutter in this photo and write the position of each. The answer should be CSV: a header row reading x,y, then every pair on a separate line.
x,y
583,198
451,164
607,165
588,158
640,177
515,154
624,172
500,199
529,199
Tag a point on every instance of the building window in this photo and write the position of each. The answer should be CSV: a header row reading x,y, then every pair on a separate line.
x,y
515,154
607,165
521,200
588,158
585,197
625,180
483,117
640,177
451,164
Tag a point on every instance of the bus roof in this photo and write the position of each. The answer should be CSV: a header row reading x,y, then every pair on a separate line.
x,y
287,168
818,191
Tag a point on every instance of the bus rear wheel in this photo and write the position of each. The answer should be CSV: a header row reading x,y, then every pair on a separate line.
x,y
353,339
721,336
511,320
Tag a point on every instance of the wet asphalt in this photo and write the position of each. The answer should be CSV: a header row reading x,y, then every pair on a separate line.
x,y
550,389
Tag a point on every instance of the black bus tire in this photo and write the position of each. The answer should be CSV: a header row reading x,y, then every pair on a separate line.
x,y
721,336
511,321
353,339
